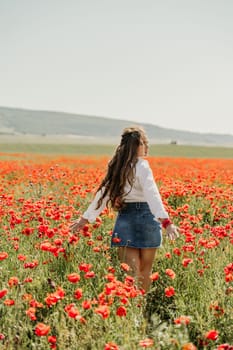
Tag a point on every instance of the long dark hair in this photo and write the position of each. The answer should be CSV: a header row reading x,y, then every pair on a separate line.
x,y
121,168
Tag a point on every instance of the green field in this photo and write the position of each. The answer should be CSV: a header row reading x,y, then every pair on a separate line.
x,y
92,149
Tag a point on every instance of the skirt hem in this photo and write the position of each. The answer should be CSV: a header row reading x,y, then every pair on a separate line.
x,y
133,246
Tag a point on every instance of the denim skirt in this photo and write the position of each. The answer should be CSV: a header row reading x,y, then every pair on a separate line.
x,y
136,227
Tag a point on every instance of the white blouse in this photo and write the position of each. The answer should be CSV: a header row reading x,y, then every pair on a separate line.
x,y
144,189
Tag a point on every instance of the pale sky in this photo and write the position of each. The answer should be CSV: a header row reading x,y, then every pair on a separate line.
x,y
164,62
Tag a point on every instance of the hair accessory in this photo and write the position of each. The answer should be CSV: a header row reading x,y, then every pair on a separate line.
x,y
135,134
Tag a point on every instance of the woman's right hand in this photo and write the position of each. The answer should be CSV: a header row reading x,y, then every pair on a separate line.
x,y
172,232
78,224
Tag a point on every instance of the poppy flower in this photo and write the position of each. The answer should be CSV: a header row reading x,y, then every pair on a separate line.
x,y
146,343
13,281
53,298
121,311
78,294
170,273
22,257
225,347
86,304
3,292
74,277
31,265
85,267
103,310
186,262
52,339
9,302
189,346
42,329
89,274
3,256
111,346
28,280
169,291
116,240
31,313
177,251
72,311
154,276
212,334
129,280
125,267
182,320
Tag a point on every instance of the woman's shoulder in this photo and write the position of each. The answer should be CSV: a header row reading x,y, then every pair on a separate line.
x,y
142,164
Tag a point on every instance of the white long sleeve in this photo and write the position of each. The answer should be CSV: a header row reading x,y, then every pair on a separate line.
x,y
150,191
91,213
145,190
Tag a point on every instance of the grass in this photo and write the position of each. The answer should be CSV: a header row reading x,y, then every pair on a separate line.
x,y
98,149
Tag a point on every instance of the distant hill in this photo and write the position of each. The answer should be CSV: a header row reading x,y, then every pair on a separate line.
x,y
15,121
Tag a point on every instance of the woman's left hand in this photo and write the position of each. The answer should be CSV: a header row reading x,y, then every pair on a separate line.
x,y
172,232
78,224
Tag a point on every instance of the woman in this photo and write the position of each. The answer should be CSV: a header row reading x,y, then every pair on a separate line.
x,y
129,188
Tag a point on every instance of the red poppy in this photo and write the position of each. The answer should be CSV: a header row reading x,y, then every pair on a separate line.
x,y
31,313
170,273
3,255
9,302
13,281
28,280
52,339
42,329
129,280
121,311
3,292
146,343
169,291
177,251
212,334
225,347
72,311
154,276
85,267
78,293
74,277
31,265
125,267
22,257
89,274
53,298
182,320
116,240
186,262
189,346
103,310
86,304
111,346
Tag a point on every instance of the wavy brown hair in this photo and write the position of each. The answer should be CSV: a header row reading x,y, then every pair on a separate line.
x,y
121,168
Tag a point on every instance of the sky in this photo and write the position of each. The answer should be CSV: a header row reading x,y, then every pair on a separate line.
x,y
162,62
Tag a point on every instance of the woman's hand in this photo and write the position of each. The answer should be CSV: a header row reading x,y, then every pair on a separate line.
x,y
172,232
78,224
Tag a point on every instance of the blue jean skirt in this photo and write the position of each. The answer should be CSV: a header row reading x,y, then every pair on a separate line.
x,y
136,227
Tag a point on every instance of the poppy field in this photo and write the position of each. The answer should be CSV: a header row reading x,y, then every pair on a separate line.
x,y
63,290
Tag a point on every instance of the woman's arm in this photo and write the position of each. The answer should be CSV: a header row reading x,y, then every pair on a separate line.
x,y
153,198
91,213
